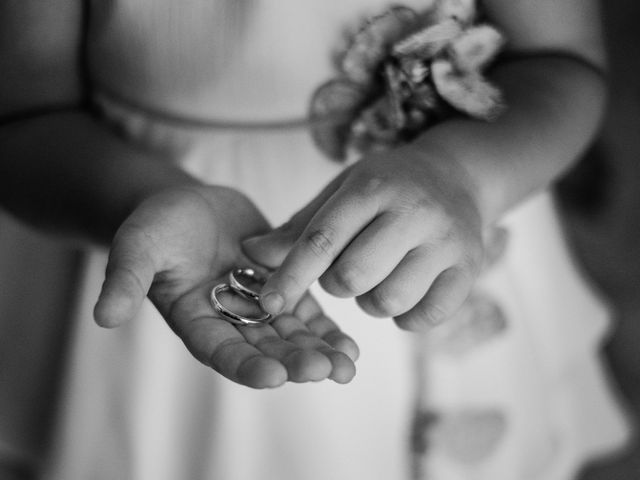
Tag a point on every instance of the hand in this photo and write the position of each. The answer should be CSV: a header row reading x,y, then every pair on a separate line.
x,y
174,248
398,230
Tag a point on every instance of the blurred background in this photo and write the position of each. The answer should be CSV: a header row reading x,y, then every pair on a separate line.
x,y
600,201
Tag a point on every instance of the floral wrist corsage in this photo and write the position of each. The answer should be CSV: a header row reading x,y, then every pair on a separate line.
x,y
404,71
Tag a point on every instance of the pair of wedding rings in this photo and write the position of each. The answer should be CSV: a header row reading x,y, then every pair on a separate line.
x,y
237,286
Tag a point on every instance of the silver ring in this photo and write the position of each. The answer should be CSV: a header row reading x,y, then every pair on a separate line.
x,y
249,273
234,317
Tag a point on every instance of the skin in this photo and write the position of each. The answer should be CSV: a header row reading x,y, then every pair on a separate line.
x,y
164,260
401,231
155,216
432,198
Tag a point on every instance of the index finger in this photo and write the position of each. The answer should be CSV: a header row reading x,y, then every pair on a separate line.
x,y
130,272
329,231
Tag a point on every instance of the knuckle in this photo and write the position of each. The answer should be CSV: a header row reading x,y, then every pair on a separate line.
x,y
433,314
449,229
471,263
126,269
412,204
366,185
385,303
410,321
134,279
134,244
289,285
321,242
344,280
372,185
422,318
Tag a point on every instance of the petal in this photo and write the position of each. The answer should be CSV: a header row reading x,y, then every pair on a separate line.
x,y
371,44
428,42
468,93
476,47
382,121
333,108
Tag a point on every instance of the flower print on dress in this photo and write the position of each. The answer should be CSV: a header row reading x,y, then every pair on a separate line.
x,y
404,71
479,321
466,436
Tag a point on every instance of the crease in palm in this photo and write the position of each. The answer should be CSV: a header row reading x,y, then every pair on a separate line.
x,y
174,248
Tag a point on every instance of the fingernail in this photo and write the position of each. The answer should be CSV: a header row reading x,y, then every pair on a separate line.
x,y
252,239
247,242
272,303
435,317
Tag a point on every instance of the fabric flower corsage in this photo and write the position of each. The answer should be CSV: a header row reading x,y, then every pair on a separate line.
x,y
404,71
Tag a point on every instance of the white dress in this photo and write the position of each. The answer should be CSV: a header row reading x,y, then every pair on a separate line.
x,y
512,389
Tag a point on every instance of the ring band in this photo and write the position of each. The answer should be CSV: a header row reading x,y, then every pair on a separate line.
x,y
234,317
249,273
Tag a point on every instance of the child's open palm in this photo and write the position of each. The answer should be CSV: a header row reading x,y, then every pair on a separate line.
x,y
175,247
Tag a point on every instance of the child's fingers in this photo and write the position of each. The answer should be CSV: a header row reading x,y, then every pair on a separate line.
x,y
309,311
129,274
271,248
304,363
307,308
371,256
324,238
343,369
405,286
446,295
219,344
294,330
324,328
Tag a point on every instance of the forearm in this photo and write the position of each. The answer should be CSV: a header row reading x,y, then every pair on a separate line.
x,y
67,172
554,109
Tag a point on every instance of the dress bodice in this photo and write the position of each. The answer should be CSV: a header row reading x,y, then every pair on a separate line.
x,y
253,60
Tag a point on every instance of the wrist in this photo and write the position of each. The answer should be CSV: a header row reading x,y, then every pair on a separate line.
x,y
454,176
549,121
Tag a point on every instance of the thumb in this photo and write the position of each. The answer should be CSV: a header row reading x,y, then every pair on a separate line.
x,y
270,249
129,274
